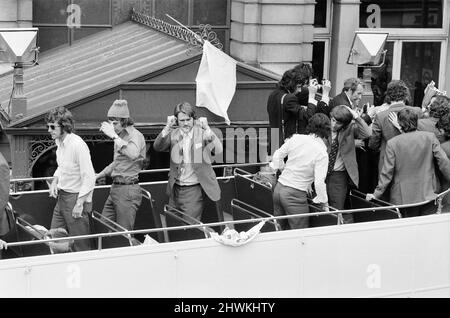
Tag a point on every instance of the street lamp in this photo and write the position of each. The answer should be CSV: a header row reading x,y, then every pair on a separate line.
x,y
18,47
368,51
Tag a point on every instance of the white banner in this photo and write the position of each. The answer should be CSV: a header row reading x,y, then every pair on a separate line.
x,y
216,81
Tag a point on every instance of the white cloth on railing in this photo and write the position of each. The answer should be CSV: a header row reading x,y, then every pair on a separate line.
x,y
149,240
232,238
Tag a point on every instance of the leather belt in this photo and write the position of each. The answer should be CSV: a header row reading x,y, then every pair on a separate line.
x,y
126,183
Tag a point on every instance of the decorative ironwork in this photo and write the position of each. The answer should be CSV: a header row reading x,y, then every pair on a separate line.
x,y
37,146
96,138
206,34
194,39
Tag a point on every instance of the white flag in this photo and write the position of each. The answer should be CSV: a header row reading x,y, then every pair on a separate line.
x,y
216,81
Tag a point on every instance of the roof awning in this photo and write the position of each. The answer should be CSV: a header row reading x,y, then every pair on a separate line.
x,y
94,64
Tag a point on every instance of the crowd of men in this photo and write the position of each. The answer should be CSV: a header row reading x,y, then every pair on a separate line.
x,y
395,152
191,176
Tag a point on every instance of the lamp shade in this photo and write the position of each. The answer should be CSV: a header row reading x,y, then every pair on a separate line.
x,y
367,48
18,45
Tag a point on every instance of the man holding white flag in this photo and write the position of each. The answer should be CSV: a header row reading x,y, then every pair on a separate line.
x,y
216,81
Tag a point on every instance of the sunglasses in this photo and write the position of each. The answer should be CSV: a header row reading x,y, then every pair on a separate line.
x,y
52,126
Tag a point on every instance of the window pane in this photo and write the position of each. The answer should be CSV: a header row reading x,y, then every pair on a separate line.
x,y
50,11
50,37
177,9
81,33
401,13
420,65
320,14
212,12
318,59
381,76
94,12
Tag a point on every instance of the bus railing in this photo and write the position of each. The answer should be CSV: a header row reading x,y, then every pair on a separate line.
x,y
223,223
18,183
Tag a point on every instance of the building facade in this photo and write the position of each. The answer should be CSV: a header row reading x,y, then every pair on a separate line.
x,y
271,35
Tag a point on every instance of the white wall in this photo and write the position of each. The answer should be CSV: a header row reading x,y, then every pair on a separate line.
x,y
405,257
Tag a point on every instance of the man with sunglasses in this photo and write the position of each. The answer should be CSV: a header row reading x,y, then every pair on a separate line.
x,y
74,179
129,153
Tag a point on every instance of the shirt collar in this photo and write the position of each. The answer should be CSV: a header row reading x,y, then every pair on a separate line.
x,y
65,141
126,130
348,98
189,134
317,138
397,104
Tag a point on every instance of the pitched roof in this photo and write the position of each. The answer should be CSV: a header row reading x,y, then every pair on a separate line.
x,y
94,64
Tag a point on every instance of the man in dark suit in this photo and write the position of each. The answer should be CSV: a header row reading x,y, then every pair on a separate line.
x,y
4,198
293,102
409,166
287,104
191,175
398,95
350,96
346,125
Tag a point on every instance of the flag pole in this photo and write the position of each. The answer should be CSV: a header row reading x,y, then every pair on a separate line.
x,y
197,37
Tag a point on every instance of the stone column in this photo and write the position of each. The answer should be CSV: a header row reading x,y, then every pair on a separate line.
x,y
16,13
20,155
272,34
345,23
25,13
446,84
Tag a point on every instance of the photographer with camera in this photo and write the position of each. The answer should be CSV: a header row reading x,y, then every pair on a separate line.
x,y
295,100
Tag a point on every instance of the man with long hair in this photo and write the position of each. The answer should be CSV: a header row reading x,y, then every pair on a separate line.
x,y
307,162
293,102
346,126
74,179
398,97
125,196
409,166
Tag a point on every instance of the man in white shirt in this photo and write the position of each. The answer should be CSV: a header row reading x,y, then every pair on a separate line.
x,y
307,163
74,180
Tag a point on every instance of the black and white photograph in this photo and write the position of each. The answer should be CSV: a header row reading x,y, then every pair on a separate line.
x,y
224,156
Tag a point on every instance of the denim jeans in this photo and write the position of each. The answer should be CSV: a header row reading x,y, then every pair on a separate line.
x,y
62,218
122,204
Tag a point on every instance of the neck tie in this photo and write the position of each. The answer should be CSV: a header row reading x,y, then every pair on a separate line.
x,y
333,154
181,158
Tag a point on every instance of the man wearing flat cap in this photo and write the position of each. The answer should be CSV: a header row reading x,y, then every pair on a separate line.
x,y
129,153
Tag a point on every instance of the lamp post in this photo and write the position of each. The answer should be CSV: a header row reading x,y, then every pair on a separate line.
x,y
368,51
18,47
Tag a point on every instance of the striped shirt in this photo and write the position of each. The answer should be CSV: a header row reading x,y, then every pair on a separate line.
x,y
129,155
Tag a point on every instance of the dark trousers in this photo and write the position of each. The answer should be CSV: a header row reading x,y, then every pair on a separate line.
x,y
337,190
122,204
429,208
62,218
290,201
188,199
